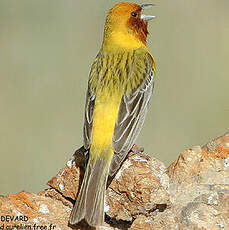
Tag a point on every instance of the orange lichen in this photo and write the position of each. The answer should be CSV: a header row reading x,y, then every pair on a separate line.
x,y
23,201
219,153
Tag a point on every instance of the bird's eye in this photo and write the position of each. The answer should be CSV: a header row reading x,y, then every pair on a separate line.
x,y
134,14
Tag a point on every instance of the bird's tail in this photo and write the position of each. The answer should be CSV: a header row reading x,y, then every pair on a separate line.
x,y
90,201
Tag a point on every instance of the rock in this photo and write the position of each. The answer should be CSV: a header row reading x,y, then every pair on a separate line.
x,y
67,180
36,211
142,223
207,211
139,187
193,193
199,186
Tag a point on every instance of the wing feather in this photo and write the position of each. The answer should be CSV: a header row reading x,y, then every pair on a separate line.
x,y
133,107
88,119
132,112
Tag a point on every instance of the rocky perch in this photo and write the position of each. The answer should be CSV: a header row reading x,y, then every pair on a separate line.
x,y
192,193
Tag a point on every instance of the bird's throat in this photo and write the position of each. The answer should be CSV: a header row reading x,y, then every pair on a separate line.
x,y
122,40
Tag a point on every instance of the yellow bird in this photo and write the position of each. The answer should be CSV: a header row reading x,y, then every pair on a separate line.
x,y
120,85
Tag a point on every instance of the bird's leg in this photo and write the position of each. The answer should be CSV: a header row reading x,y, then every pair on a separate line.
x,y
81,157
136,150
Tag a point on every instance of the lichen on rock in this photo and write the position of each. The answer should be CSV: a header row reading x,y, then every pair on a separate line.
x,y
192,193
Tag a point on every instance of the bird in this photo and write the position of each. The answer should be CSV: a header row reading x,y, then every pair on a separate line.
x,y
121,81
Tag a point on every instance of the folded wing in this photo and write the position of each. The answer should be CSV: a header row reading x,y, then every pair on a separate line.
x,y
132,112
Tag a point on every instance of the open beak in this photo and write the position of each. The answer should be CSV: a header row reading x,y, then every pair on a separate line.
x,y
146,17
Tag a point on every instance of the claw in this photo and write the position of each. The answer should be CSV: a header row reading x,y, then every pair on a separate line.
x,y
136,150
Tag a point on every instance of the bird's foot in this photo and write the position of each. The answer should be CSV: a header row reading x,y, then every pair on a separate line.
x,y
136,150
81,157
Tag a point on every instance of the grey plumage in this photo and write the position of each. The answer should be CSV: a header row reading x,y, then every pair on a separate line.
x,y
133,75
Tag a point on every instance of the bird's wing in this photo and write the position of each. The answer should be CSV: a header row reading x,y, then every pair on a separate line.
x,y
130,119
88,119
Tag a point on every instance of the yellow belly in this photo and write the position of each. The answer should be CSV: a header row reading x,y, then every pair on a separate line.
x,y
104,117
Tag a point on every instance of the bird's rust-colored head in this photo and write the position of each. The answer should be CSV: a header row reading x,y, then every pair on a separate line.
x,y
126,25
